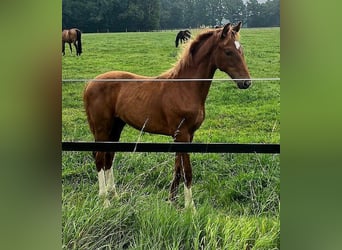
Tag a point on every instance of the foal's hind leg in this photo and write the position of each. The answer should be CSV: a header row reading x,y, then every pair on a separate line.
x,y
108,174
104,160
117,127
100,159
99,162
101,133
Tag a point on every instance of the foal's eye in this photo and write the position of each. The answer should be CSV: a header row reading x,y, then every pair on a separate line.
x,y
229,52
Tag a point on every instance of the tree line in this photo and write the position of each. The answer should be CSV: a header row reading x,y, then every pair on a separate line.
x,y
148,15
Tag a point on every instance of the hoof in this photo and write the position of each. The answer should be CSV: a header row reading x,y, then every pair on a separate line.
x,y
106,203
112,193
191,208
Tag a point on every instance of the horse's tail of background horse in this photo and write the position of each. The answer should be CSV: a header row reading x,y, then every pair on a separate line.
x,y
187,34
79,43
177,38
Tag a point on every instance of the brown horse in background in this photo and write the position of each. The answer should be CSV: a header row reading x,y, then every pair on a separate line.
x,y
182,36
72,36
154,105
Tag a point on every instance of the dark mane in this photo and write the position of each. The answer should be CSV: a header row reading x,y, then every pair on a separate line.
x,y
194,46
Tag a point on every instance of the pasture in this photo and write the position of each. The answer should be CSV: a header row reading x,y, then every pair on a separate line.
x,y
237,196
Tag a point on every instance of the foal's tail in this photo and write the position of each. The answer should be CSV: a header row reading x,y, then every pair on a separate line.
x,y
79,43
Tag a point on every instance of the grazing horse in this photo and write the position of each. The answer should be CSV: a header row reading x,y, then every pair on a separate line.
x,y
72,36
154,105
182,36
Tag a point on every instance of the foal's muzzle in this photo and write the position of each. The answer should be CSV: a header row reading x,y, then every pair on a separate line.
x,y
244,84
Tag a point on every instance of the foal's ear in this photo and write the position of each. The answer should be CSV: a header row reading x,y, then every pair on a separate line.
x,y
237,27
225,30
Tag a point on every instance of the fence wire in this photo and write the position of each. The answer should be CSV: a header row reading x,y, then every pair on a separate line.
x,y
171,80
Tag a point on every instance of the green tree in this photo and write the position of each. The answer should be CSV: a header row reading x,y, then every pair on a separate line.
x,y
235,10
146,15
272,13
263,14
151,20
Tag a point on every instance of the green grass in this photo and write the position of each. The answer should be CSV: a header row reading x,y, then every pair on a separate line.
x,y
237,196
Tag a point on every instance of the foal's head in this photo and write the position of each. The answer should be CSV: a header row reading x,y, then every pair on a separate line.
x,y
228,55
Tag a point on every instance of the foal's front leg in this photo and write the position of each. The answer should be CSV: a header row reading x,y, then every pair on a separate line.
x,y
108,174
99,162
176,178
182,168
187,173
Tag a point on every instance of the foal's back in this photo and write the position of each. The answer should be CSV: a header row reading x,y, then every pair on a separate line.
x,y
134,102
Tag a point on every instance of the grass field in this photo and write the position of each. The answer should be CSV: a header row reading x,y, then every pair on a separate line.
x,y
237,196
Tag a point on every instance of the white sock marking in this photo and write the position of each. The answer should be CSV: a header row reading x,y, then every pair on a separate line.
x,y
109,178
102,183
189,203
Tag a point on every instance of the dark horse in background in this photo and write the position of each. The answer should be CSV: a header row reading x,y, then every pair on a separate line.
x,y
173,109
182,36
72,36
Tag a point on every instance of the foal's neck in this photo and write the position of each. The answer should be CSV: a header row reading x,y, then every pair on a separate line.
x,y
198,67
202,70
